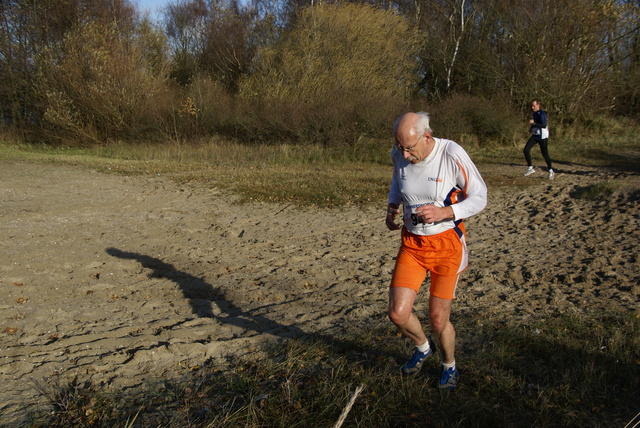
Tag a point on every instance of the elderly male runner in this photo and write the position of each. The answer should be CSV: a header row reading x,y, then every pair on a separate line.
x,y
438,186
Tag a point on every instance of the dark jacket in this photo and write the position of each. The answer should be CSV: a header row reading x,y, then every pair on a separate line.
x,y
539,122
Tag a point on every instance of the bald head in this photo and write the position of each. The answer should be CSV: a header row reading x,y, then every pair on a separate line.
x,y
410,124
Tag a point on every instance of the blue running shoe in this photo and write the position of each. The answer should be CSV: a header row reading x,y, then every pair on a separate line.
x,y
449,378
413,366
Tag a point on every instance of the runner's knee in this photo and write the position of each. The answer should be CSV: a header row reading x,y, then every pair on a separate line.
x,y
399,317
439,321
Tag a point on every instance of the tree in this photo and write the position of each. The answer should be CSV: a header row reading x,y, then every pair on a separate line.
x,y
185,22
30,27
338,49
99,86
623,51
446,26
229,44
27,27
557,51
215,38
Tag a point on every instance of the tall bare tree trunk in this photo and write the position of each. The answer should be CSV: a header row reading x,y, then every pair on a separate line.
x,y
458,40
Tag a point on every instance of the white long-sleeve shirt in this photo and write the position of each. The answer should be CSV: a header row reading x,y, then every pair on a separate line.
x,y
447,177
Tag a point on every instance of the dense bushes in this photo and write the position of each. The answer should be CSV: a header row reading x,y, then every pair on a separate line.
x,y
471,120
343,49
87,73
338,120
99,87
343,71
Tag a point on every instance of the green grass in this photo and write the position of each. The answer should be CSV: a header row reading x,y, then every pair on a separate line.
x,y
598,190
307,174
564,371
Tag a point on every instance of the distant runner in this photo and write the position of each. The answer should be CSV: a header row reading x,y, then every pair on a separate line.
x,y
539,135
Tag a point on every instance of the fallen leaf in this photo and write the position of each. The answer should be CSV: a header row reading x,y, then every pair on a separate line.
x,y
22,300
10,330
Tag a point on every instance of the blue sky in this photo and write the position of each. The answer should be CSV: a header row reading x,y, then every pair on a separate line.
x,y
152,5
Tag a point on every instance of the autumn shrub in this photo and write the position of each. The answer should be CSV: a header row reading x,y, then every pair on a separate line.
x,y
472,120
342,71
216,107
202,108
330,122
338,49
98,87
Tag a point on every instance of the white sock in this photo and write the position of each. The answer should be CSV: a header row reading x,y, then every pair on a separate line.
x,y
424,348
448,366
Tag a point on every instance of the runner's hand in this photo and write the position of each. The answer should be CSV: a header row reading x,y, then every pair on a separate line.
x,y
433,214
391,217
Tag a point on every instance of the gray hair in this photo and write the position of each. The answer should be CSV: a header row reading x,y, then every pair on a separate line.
x,y
422,124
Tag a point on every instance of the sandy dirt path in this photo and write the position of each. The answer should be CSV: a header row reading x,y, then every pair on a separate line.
x,y
117,279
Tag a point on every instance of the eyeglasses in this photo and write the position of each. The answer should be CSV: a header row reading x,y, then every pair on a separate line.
x,y
408,149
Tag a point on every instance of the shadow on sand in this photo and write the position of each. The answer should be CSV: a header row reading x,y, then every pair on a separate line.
x,y
202,297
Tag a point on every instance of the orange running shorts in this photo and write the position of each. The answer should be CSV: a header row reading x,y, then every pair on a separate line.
x,y
443,256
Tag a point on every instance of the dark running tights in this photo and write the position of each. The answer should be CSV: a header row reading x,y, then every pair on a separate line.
x,y
543,148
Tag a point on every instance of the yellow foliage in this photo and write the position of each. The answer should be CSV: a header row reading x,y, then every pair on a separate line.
x,y
340,48
99,85
189,108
